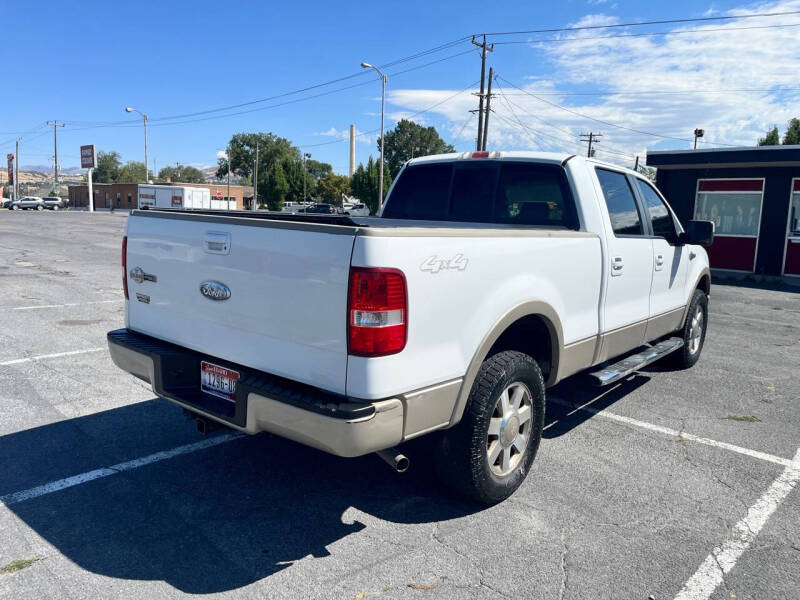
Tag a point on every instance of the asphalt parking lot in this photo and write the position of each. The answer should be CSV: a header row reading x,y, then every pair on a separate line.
x,y
670,484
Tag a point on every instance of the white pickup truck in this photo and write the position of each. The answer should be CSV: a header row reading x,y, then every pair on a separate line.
x,y
488,277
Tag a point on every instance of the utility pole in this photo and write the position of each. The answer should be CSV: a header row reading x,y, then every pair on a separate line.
x,y
488,109
592,138
484,49
255,181
55,125
228,153
16,169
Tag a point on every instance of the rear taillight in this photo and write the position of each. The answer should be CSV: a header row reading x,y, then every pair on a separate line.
x,y
377,312
125,266
482,154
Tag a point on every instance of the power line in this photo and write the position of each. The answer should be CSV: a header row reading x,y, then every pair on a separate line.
x,y
660,92
419,112
601,121
636,35
643,23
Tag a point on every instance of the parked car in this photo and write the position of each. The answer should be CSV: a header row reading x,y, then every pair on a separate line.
x,y
487,278
321,209
26,202
4,202
356,210
54,202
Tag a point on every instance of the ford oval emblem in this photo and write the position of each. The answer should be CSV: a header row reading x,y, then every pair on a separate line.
x,y
215,290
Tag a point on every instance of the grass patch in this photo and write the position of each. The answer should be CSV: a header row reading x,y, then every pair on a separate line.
x,y
743,418
18,565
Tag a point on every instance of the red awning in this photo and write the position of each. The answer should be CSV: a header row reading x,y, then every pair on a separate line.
x,y
731,185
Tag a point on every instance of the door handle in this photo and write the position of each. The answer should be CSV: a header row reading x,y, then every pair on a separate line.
x,y
659,260
616,265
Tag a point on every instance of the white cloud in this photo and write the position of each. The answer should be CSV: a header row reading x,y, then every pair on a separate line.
x,y
344,134
222,154
663,84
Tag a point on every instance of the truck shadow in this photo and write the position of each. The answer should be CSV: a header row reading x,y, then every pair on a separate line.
x,y
227,516
562,417
208,521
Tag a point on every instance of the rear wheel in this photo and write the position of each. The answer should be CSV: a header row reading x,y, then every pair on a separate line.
x,y
39,207
487,456
693,332
55,206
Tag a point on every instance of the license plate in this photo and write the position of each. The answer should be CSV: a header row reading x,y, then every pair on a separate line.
x,y
218,381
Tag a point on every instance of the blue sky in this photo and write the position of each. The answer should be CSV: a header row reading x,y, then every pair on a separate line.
x,y
83,64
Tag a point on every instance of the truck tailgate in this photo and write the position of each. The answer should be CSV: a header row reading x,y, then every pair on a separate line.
x,y
286,313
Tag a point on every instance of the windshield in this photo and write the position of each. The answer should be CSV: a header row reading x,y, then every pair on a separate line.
x,y
507,192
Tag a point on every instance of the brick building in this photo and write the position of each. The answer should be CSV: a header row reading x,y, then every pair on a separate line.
x,y
126,195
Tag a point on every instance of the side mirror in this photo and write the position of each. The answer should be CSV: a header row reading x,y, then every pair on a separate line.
x,y
698,232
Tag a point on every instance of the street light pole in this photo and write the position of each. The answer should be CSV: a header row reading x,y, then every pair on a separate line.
x,y
144,120
305,174
383,110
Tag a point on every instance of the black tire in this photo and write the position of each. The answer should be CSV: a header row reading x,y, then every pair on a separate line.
x,y
462,459
39,207
687,356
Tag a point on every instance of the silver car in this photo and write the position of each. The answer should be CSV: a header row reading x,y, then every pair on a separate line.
x,y
26,202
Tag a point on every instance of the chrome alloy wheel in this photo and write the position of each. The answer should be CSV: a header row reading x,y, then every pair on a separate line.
x,y
696,330
509,427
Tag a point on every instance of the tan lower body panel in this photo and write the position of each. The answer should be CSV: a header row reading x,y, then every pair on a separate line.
x,y
430,408
576,357
619,341
663,324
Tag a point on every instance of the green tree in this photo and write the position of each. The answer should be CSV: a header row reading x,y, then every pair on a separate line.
x,y
131,172
772,138
365,184
276,187
792,135
317,170
182,173
332,186
407,140
107,169
242,151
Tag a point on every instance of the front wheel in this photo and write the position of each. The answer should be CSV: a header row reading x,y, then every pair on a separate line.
x,y
15,207
39,207
55,207
693,332
487,456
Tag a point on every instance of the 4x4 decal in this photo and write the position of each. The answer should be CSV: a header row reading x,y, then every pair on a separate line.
x,y
434,264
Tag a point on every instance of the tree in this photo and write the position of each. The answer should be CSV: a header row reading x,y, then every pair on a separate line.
x,y
771,138
792,135
365,184
407,140
182,173
242,151
332,186
317,170
107,169
131,172
276,187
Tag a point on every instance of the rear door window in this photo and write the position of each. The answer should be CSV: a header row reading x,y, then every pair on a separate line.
x,y
621,203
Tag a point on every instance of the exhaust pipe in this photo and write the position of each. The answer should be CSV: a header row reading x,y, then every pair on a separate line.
x,y
395,459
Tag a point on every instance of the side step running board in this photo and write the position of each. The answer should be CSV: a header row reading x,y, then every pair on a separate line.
x,y
637,361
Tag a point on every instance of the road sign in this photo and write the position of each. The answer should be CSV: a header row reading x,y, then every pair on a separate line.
x,y
88,160
10,158
219,195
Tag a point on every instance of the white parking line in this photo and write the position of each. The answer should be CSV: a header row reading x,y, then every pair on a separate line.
x,y
723,558
18,361
61,484
70,304
778,460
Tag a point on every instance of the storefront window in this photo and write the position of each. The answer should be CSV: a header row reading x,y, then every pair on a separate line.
x,y
733,211
794,215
